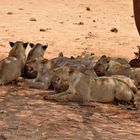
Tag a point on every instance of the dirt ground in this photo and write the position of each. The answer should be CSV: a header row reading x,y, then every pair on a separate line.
x,y
70,27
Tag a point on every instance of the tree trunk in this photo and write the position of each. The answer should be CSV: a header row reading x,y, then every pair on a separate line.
x,y
136,5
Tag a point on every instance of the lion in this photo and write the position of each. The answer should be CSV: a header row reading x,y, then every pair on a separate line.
x,y
83,88
37,52
48,77
44,75
54,75
106,67
12,67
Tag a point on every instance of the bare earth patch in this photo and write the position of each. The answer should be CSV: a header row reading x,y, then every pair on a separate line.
x,y
70,27
25,115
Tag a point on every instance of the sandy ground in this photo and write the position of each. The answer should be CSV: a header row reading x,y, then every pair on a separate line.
x,y
72,29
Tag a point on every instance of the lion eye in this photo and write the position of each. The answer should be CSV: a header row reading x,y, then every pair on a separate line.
x,y
71,71
99,64
58,79
30,68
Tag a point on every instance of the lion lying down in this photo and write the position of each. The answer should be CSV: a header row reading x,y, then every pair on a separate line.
x,y
83,88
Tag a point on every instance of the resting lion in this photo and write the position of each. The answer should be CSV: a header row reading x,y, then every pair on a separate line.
x,y
36,52
83,88
106,67
12,67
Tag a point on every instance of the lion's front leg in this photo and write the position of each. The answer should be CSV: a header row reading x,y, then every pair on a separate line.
x,y
61,97
32,83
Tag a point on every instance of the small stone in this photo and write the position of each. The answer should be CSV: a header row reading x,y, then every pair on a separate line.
x,y
92,54
33,19
2,137
77,38
115,30
88,8
20,9
80,23
48,28
61,22
2,111
42,30
10,13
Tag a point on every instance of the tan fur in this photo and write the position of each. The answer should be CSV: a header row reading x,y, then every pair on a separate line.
x,y
120,60
55,73
12,66
55,78
131,83
134,74
36,52
47,76
44,75
82,88
108,67
62,61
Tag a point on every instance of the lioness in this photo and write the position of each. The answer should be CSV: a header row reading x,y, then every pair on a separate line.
x,y
44,75
106,67
36,52
83,88
48,76
12,66
52,76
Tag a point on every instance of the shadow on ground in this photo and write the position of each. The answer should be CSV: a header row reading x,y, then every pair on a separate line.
x,y
24,115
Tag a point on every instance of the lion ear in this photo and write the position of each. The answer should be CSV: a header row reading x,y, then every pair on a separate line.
x,y
103,56
25,45
71,70
31,45
108,59
11,43
45,47
61,54
44,61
